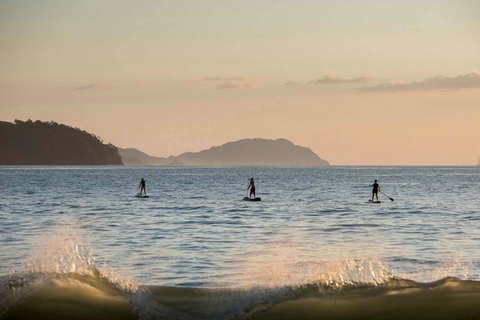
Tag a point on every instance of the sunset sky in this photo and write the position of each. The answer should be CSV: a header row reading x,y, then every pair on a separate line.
x,y
369,82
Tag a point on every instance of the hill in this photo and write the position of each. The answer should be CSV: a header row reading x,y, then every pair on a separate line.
x,y
247,152
50,143
134,157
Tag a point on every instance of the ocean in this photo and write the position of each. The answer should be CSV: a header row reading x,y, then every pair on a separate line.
x,y
77,244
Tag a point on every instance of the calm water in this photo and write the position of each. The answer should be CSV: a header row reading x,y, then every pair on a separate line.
x,y
195,230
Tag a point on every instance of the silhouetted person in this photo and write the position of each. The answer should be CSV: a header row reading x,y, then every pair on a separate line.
x,y
142,187
376,189
251,186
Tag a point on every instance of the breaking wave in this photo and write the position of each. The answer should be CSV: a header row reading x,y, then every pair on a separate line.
x,y
62,281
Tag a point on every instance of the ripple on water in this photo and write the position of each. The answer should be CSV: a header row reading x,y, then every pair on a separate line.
x,y
180,236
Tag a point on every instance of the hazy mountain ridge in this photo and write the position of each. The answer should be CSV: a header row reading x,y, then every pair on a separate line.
x,y
246,152
50,143
135,157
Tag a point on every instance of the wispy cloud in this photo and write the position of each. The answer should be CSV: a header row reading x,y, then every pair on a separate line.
x,y
227,85
333,78
292,83
148,86
468,81
222,79
94,86
228,82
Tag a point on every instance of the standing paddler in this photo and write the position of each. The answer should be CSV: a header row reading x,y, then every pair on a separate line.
x,y
251,186
376,189
142,188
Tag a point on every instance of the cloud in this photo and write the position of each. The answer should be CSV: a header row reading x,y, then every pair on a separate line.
x,y
222,79
468,81
228,82
333,78
227,85
94,86
148,86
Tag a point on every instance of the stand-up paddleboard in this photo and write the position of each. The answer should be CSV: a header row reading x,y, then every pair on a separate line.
x,y
140,196
370,201
251,199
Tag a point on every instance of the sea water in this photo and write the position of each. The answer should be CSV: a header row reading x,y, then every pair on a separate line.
x,y
313,227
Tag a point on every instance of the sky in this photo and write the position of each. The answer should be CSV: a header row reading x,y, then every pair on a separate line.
x,y
369,82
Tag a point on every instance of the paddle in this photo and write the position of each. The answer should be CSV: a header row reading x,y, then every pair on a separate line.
x,y
387,196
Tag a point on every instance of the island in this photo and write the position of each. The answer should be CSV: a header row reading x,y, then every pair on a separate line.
x,y
49,143
246,152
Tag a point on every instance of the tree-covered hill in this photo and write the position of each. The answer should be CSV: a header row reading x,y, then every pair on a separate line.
x,y
246,152
49,143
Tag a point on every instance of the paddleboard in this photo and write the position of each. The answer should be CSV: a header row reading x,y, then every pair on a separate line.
x,y
370,201
139,196
252,199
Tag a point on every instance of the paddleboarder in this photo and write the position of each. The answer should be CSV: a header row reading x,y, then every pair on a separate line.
x,y
142,187
251,186
376,189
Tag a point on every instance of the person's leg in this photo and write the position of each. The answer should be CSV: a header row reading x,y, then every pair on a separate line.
x,y
373,195
376,195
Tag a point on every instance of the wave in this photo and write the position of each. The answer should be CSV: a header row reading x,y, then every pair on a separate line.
x,y
63,281
63,296
80,296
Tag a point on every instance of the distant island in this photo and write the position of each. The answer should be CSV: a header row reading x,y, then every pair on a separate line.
x,y
246,152
49,143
